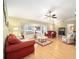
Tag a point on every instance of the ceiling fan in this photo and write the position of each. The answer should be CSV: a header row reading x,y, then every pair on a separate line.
x,y
49,13
53,16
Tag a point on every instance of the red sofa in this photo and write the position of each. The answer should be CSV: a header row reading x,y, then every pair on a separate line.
x,y
15,49
50,34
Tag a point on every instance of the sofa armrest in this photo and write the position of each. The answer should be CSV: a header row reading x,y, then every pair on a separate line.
x,y
19,46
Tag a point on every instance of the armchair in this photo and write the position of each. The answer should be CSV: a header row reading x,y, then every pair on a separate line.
x,y
70,38
50,34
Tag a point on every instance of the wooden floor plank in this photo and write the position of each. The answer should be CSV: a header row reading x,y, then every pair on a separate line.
x,y
55,50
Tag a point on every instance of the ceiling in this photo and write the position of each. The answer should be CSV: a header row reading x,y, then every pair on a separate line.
x,y
37,9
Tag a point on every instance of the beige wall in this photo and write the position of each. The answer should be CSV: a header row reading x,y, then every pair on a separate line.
x,y
72,22
17,22
64,23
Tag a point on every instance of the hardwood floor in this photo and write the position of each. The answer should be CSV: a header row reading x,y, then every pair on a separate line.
x,y
55,50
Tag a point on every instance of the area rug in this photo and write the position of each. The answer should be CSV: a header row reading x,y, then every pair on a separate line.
x,y
43,42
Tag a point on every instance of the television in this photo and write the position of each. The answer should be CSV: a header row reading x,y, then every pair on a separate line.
x,y
61,31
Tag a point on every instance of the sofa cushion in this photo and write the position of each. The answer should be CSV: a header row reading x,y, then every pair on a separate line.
x,y
13,40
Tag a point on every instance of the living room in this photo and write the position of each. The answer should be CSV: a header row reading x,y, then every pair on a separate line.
x,y
40,31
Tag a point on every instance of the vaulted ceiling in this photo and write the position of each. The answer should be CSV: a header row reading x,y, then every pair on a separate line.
x,y
37,9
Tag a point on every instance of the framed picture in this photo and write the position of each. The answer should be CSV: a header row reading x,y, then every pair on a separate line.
x,y
70,28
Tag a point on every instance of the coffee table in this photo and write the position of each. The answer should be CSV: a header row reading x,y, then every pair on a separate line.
x,y
43,41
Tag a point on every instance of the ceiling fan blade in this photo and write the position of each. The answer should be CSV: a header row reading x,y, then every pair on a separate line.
x,y
54,17
48,15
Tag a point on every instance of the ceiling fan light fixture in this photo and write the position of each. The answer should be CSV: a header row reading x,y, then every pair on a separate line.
x,y
54,15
